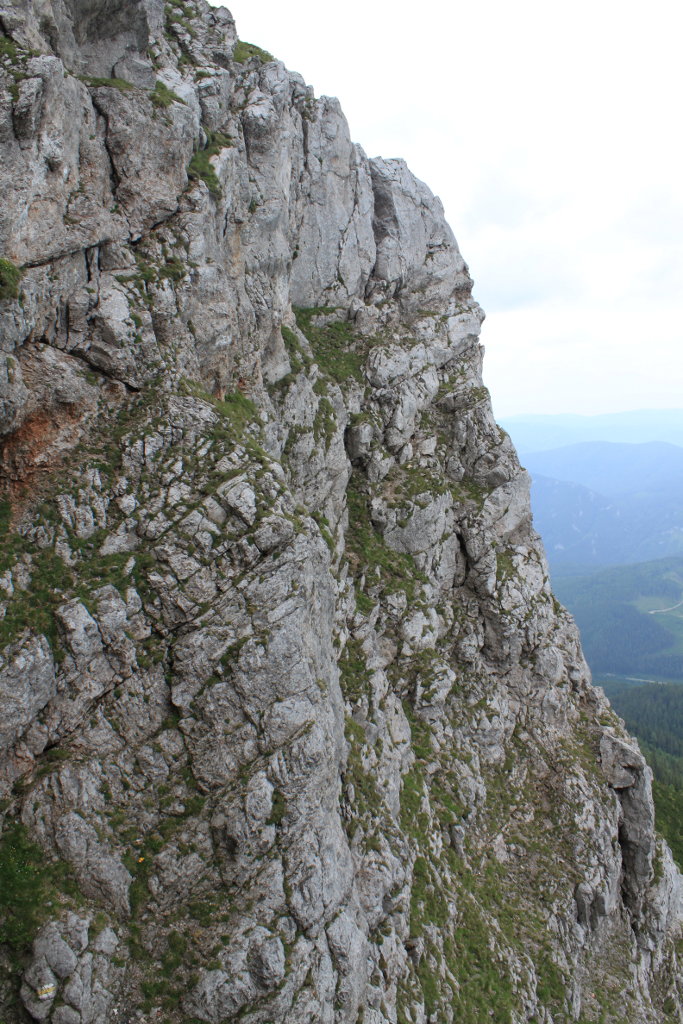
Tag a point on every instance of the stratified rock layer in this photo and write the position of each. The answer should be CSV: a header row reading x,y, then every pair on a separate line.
x,y
292,726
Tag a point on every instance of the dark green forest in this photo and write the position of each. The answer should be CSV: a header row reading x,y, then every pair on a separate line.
x,y
627,616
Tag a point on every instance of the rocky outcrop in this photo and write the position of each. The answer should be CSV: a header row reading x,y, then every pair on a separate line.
x,y
293,727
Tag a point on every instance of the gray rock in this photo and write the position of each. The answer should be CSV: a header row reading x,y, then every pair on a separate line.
x,y
27,682
27,109
137,72
38,989
267,963
14,395
621,763
106,942
273,533
66,1015
77,932
100,874
417,255
50,945
358,440
150,156
238,496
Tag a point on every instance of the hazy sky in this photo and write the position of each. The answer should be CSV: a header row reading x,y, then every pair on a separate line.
x,y
552,134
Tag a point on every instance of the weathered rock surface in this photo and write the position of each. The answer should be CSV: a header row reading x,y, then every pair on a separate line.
x,y
292,726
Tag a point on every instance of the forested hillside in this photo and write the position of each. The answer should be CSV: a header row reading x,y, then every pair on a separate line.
x,y
630,616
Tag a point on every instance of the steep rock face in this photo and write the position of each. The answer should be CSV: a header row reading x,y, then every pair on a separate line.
x,y
293,727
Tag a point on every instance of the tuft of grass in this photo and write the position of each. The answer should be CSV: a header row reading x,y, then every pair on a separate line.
x,y
7,48
236,408
174,269
365,546
108,83
34,607
10,277
245,51
354,675
336,349
177,946
163,97
201,166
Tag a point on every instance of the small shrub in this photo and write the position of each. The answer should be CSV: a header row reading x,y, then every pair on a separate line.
x,y
279,809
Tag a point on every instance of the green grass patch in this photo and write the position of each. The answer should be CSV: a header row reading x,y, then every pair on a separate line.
x,y
354,676
279,809
174,269
245,51
163,97
10,278
486,988
7,47
236,409
337,351
177,946
34,607
5,516
325,423
27,883
368,804
414,821
426,899
200,165
23,886
504,566
365,547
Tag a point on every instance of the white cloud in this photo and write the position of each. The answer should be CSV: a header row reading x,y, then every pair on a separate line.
x,y
551,134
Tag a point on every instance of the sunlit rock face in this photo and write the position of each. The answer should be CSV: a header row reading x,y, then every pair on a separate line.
x,y
292,726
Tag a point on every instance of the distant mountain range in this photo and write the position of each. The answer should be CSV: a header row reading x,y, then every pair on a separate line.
x,y
611,468
535,433
602,503
581,526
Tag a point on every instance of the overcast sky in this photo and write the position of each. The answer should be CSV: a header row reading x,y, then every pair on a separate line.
x,y
552,134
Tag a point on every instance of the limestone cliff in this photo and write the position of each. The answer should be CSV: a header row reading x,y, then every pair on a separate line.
x,y
292,726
